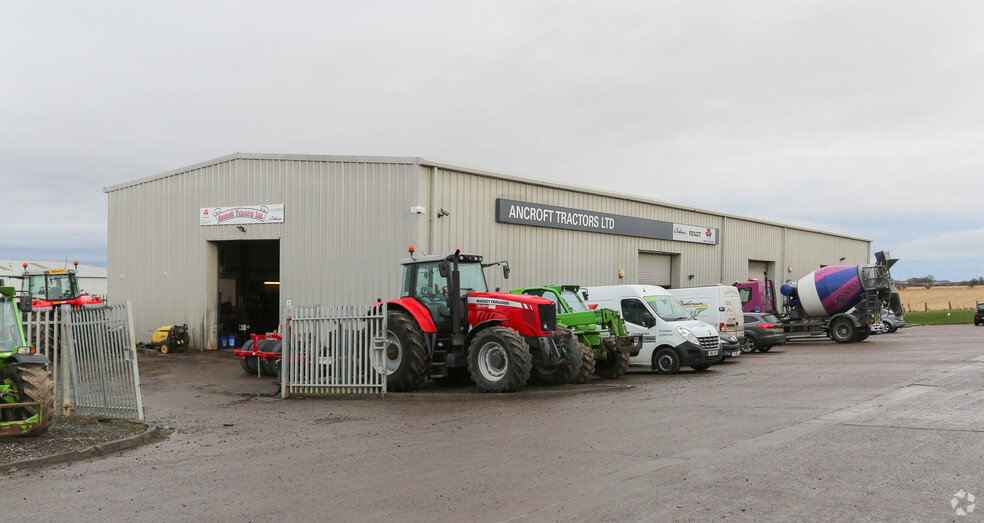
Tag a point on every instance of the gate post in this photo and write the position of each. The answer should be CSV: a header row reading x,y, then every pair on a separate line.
x,y
62,372
131,348
285,349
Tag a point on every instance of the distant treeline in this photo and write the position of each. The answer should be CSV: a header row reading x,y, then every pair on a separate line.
x,y
929,281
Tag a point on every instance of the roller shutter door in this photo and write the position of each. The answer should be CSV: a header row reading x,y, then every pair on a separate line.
x,y
756,269
655,269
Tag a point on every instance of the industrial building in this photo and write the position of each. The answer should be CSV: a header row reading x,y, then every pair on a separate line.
x,y
254,232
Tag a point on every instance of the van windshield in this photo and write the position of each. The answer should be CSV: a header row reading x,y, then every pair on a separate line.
x,y
667,308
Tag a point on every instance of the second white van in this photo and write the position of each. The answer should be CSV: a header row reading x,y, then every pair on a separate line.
x,y
719,305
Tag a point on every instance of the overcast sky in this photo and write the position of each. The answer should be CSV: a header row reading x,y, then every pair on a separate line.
x,y
865,118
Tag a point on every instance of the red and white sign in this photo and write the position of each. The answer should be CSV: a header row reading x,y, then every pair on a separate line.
x,y
242,214
691,233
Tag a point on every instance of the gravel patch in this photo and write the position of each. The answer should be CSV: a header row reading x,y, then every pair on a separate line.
x,y
67,433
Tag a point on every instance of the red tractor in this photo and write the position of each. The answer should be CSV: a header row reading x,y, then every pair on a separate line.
x,y
447,325
56,287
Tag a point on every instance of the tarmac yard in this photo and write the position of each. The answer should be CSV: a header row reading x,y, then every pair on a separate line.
x,y
887,429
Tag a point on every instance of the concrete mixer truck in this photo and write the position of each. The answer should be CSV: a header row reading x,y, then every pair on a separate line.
x,y
839,301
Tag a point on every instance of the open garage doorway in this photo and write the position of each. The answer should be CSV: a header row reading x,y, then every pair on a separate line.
x,y
249,289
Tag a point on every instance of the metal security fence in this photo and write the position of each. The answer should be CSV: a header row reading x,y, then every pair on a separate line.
x,y
334,350
43,329
102,362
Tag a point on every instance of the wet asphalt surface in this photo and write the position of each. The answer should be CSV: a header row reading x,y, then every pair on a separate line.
x,y
888,429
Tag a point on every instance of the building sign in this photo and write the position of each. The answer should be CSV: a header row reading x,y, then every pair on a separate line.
x,y
242,214
690,233
540,215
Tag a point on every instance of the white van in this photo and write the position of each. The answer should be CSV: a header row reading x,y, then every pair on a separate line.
x,y
719,305
671,338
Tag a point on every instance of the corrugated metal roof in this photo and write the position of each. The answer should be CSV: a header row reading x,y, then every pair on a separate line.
x,y
16,268
411,160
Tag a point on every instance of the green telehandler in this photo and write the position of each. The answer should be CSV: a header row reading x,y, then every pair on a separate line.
x,y
27,393
602,330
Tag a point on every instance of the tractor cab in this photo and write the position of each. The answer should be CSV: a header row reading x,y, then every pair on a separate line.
x,y
428,279
11,334
56,287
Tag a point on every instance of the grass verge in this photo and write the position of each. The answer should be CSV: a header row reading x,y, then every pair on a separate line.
x,y
939,317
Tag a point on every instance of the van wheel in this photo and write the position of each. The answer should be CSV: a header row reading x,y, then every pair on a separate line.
x,y
666,361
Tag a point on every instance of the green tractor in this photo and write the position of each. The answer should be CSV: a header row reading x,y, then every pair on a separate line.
x,y
602,330
27,393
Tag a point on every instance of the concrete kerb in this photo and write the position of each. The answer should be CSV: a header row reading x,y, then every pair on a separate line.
x,y
149,434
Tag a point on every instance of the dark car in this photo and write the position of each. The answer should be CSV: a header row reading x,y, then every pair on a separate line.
x,y
762,332
979,315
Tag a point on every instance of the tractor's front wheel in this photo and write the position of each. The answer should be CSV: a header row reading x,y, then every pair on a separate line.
x,y
499,360
588,363
405,358
34,385
565,370
615,366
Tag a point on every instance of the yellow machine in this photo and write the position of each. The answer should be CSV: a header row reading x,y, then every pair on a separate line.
x,y
170,337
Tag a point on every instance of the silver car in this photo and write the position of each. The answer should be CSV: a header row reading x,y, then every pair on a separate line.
x,y
891,321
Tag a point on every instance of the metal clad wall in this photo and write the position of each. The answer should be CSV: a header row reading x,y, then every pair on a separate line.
x,y
807,251
541,255
747,240
346,225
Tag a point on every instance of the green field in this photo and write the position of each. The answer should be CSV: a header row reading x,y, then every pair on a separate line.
x,y
939,317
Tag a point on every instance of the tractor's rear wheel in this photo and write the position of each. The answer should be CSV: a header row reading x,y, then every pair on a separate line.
x,y
615,366
499,360
564,371
588,363
35,384
405,358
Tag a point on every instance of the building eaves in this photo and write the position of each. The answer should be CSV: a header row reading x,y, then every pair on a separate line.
x,y
409,160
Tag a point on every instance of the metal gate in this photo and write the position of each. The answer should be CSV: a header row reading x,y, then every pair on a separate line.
x,y
334,350
102,362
